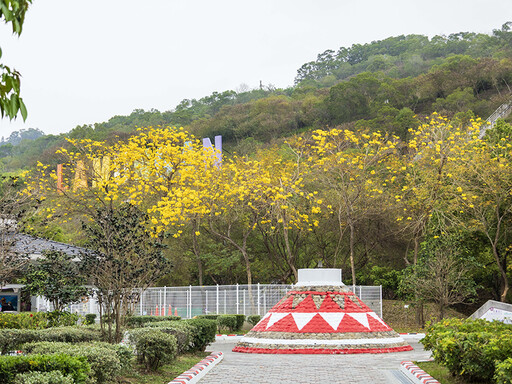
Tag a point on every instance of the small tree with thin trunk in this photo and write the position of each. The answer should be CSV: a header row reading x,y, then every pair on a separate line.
x,y
443,273
57,277
126,259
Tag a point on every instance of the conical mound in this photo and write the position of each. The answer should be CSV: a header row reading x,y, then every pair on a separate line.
x,y
321,315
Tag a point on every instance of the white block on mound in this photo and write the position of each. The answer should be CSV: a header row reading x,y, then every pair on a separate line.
x,y
319,276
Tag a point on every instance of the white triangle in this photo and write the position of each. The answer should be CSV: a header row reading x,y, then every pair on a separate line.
x,y
376,317
275,317
361,318
301,319
333,318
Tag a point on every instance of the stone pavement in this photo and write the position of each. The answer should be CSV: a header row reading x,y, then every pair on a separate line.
x,y
244,368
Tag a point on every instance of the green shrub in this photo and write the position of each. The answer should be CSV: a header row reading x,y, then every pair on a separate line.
x,y
52,377
70,334
203,333
74,366
90,318
61,319
13,339
254,319
208,317
240,320
179,329
503,372
24,320
226,321
104,362
154,347
139,321
470,349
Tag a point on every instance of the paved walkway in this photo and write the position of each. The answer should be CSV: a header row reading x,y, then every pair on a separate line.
x,y
243,368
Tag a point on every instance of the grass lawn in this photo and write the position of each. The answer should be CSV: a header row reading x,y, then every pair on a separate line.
x,y
165,373
441,373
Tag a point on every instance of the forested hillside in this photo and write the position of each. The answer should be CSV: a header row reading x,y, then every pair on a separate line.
x,y
381,85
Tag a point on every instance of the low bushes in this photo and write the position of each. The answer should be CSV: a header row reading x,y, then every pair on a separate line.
x,y
503,373
254,319
37,320
154,347
471,349
13,339
52,377
140,321
90,318
233,323
103,359
74,366
179,329
227,321
203,333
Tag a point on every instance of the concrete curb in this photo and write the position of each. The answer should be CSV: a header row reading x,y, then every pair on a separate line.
x,y
228,337
415,374
194,374
412,335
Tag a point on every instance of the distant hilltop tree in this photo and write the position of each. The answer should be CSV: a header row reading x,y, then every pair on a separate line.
x,y
23,134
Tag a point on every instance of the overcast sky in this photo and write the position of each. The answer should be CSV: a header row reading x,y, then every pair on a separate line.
x,y
86,61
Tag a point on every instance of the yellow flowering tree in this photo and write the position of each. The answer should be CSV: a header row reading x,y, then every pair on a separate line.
x,y
482,188
351,169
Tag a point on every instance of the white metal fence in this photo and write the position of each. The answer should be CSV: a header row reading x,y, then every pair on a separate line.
x,y
191,301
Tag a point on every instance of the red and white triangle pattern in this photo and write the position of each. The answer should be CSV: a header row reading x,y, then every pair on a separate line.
x,y
328,317
311,313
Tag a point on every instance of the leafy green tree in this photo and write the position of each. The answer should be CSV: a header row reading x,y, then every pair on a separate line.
x,y
126,259
443,273
13,12
57,277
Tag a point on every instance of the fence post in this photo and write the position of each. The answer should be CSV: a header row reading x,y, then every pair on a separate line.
x,y
217,299
380,299
141,306
259,299
164,304
206,302
189,303
225,299
237,300
244,300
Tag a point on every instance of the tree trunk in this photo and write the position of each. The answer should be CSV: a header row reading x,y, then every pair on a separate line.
x,y
289,257
352,263
197,253
503,273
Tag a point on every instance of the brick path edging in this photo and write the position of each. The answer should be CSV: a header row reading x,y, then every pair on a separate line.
x,y
416,374
194,374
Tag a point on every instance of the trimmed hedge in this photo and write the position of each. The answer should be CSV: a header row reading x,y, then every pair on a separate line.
x,y
104,358
503,372
90,318
76,367
254,319
140,321
240,320
154,347
52,377
13,339
226,321
471,349
179,329
231,322
37,320
203,333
